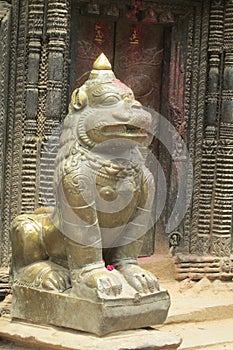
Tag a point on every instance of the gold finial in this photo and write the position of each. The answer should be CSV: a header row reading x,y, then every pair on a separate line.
x,y
102,63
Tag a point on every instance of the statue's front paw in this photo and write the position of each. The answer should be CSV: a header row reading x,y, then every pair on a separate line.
x,y
105,282
98,280
141,280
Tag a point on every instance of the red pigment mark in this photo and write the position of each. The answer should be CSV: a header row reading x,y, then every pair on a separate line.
x,y
118,82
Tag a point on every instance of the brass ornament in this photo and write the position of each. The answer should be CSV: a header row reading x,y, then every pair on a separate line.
x,y
102,63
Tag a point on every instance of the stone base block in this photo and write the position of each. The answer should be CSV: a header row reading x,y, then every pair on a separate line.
x,y
59,339
100,317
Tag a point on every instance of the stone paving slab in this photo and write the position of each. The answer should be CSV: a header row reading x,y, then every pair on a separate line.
x,y
200,301
212,335
61,339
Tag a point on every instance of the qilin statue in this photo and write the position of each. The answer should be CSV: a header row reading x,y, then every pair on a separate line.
x,y
104,196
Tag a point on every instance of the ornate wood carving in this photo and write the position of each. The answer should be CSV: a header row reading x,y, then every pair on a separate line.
x,y
202,225
213,234
4,71
37,100
200,91
221,225
192,117
5,12
222,235
54,101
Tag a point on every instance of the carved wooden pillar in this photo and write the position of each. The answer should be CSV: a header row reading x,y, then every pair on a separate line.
x,y
208,165
55,98
46,83
33,57
227,93
35,36
57,30
213,88
194,108
221,243
4,80
5,13
212,251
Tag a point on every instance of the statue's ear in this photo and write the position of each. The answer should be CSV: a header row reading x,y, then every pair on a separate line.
x,y
78,99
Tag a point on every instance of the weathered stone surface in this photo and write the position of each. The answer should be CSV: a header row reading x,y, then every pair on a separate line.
x,y
50,337
99,317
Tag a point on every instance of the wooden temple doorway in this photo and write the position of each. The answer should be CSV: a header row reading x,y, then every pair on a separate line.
x,y
134,49
136,52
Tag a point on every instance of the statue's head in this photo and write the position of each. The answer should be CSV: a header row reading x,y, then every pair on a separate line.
x,y
107,110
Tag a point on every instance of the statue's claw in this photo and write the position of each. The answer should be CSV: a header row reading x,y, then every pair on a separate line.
x,y
109,286
141,280
56,280
97,279
45,275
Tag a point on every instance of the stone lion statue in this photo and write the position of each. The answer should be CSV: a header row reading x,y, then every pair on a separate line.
x,y
89,243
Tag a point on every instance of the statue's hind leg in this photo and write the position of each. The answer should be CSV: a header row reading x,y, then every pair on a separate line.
x,y
30,258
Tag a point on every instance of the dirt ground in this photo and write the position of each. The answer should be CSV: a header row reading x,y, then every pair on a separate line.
x,y
201,312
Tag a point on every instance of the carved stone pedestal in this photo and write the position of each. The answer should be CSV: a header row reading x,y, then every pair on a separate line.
x,y
100,316
57,338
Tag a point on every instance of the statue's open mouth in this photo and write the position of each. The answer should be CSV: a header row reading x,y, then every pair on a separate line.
x,y
124,130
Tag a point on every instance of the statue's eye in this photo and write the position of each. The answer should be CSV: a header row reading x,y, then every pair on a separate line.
x,y
110,100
